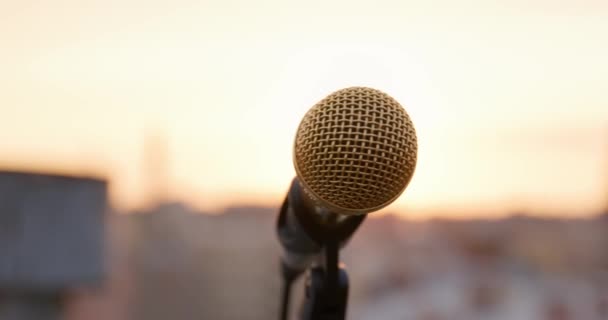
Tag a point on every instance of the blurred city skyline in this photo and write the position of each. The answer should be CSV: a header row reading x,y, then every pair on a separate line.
x,y
508,98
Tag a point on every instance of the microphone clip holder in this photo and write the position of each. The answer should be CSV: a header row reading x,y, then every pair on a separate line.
x,y
326,294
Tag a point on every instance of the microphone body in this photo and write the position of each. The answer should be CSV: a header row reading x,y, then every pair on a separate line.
x,y
304,228
299,248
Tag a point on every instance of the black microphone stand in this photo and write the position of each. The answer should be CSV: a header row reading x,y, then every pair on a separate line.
x,y
326,295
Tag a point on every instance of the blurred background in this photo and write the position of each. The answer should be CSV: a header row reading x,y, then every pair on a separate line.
x,y
189,109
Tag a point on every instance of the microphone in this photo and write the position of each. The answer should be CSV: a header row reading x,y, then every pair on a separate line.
x,y
355,152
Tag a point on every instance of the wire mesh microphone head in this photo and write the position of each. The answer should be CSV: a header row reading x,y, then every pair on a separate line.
x,y
355,151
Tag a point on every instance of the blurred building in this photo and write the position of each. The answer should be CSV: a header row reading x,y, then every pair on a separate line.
x,y
173,261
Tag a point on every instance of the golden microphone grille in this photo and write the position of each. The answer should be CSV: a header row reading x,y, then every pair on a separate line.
x,y
356,150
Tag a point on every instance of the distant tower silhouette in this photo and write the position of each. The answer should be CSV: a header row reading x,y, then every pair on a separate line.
x,y
155,168
605,174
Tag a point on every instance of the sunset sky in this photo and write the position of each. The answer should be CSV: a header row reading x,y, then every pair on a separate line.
x,y
509,99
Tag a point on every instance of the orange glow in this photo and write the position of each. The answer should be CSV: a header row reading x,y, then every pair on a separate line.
x,y
509,103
